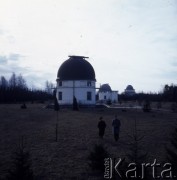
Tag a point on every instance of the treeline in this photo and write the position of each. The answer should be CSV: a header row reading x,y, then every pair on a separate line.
x,y
15,90
168,94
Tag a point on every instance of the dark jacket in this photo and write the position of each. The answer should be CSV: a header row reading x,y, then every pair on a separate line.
x,y
101,125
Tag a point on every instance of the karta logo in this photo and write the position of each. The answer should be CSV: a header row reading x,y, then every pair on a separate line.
x,y
133,170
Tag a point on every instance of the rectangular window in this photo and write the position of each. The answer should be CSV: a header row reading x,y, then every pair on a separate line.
x,y
89,96
60,95
104,97
60,83
89,83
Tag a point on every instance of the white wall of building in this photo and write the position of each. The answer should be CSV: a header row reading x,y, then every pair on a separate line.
x,y
114,96
129,92
109,95
78,89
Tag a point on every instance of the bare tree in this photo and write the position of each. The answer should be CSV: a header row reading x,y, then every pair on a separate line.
x,y
49,86
21,83
13,80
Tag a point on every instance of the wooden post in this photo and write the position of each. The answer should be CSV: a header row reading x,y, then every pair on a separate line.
x,y
56,139
56,108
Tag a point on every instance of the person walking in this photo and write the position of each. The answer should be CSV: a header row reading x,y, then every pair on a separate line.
x,y
116,127
101,126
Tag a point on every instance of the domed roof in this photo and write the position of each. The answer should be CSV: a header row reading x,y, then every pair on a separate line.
x,y
76,68
129,87
105,88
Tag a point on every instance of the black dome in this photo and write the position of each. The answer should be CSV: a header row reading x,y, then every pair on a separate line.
x,y
129,87
76,68
105,88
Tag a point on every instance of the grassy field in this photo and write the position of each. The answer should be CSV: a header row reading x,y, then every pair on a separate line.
x,y
77,135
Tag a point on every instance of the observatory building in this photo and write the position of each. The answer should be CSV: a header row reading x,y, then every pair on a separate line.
x,y
76,79
105,94
129,91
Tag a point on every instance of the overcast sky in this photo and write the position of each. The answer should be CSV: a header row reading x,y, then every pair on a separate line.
x,y
127,41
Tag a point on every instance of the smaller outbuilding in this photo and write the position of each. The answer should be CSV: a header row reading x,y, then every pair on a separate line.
x,y
129,91
106,94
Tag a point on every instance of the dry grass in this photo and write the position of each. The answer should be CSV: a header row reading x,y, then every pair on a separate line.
x,y
77,134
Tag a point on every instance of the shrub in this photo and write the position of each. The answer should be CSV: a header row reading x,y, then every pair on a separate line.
x,y
172,151
75,104
147,106
21,168
96,158
174,107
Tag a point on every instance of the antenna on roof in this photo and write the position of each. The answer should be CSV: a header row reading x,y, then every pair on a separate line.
x,y
78,56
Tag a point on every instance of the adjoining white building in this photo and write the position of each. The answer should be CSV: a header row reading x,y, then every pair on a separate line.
x,y
129,91
76,78
105,94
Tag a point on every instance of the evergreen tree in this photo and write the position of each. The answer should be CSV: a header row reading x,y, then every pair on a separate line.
x,y
96,158
75,104
56,105
16,90
56,108
172,151
147,106
170,93
174,107
3,82
137,155
21,169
